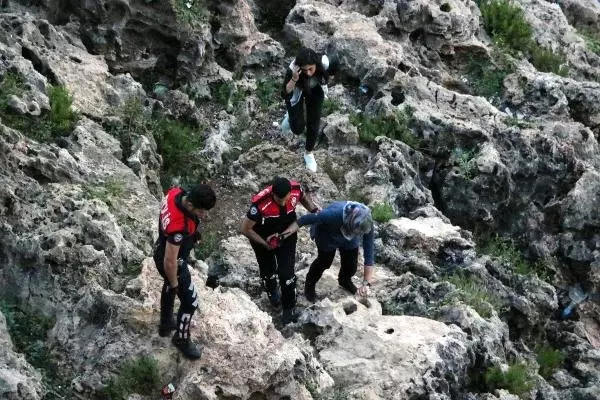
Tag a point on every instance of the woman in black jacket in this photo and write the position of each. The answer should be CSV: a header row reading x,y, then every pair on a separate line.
x,y
305,84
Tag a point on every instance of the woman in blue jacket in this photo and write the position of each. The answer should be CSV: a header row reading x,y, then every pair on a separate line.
x,y
340,226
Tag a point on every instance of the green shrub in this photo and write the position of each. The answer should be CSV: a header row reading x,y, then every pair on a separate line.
x,y
132,269
394,126
382,212
11,84
193,16
546,61
486,76
28,332
517,379
223,92
473,292
505,23
592,39
267,91
62,116
465,160
520,123
106,192
549,359
330,106
179,144
507,251
133,123
59,121
138,375
209,244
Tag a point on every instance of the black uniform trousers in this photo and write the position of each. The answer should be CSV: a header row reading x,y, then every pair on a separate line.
x,y
279,262
188,297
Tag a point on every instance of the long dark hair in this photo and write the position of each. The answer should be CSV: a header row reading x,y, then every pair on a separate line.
x,y
308,56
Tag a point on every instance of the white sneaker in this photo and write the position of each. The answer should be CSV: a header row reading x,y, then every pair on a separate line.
x,y
310,162
285,124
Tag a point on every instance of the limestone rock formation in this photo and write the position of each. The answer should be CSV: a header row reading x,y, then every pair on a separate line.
x,y
367,353
18,380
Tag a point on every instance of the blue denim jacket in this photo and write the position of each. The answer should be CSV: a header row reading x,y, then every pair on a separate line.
x,y
326,231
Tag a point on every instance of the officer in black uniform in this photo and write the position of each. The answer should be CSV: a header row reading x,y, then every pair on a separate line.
x,y
179,222
272,212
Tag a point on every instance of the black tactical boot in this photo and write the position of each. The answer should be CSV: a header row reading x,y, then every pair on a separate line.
x,y
187,347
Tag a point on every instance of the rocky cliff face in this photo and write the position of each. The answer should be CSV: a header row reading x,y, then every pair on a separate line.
x,y
489,179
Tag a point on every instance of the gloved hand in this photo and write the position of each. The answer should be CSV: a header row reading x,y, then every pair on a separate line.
x,y
212,281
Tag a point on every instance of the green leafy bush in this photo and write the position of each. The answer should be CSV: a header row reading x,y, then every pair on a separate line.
x,y
209,244
11,84
507,251
138,375
132,124
62,116
382,212
394,126
28,331
546,61
592,39
486,76
191,13
267,91
465,159
549,359
505,23
517,379
473,292
330,106
59,121
107,191
177,142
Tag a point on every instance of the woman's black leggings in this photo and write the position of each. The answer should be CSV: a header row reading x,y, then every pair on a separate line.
x,y
349,262
314,104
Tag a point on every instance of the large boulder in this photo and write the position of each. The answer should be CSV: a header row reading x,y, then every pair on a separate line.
x,y
419,245
386,357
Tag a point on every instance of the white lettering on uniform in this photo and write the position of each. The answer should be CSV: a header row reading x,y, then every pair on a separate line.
x,y
165,215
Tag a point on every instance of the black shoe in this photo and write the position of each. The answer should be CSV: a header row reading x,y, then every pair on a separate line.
x,y
275,298
309,292
289,315
348,285
187,348
165,330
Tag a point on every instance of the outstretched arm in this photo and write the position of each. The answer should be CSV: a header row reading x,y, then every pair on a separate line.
x,y
309,204
369,255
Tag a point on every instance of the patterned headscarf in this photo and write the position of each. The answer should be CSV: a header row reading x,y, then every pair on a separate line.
x,y
357,220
